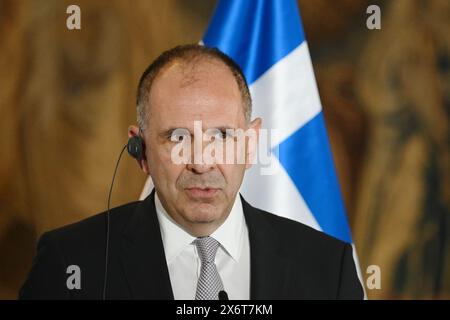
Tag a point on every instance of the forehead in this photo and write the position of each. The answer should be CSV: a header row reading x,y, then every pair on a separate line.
x,y
187,92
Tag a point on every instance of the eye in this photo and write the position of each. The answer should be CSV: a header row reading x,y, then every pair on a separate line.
x,y
177,138
223,134
218,134
179,135
226,134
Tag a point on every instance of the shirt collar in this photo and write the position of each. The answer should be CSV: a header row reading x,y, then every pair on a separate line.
x,y
176,239
230,233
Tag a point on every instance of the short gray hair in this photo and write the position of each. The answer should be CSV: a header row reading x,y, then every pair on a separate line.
x,y
189,53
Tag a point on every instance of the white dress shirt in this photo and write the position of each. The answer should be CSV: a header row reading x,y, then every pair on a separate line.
x,y
232,258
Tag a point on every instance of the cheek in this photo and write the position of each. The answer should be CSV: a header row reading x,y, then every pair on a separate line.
x,y
233,174
162,169
159,153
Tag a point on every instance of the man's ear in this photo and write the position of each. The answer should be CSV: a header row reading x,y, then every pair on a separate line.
x,y
252,145
143,163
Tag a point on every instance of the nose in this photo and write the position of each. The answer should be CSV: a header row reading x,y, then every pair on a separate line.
x,y
200,167
200,162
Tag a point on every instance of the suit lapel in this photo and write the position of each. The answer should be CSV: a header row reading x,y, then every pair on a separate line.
x,y
142,254
269,266
144,263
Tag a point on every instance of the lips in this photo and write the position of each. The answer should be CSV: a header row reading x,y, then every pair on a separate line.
x,y
202,192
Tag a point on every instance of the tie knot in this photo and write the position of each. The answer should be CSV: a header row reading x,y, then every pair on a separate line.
x,y
207,248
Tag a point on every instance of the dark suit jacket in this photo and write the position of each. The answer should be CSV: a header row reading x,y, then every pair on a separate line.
x,y
288,260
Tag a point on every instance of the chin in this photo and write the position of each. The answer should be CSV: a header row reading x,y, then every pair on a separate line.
x,y
203,213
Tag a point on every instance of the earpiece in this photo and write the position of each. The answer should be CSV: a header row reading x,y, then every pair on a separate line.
x,y
135,147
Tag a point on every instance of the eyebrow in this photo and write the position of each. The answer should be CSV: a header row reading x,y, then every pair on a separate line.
x,y
168,132
223,128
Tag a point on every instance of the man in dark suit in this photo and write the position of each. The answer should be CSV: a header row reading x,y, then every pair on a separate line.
x,y
194,236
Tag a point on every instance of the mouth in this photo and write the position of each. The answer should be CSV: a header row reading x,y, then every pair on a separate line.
x,y
202,193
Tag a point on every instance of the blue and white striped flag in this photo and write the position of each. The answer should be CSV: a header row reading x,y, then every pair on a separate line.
x,y
266,38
